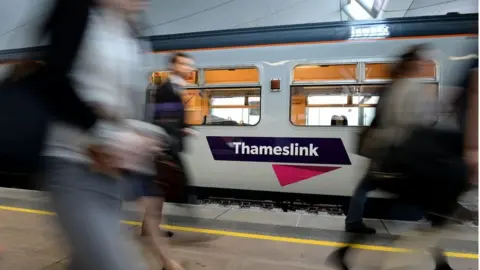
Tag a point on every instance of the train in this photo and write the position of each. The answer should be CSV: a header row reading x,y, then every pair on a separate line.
x,y
278,109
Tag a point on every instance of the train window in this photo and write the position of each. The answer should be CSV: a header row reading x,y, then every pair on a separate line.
x,y
231,76
160,76
322,73
325,105
194,103
354,105
326,100
239,106
381,71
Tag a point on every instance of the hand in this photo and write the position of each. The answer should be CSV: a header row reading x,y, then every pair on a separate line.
x,y
471,157
190,132
103,161
172,265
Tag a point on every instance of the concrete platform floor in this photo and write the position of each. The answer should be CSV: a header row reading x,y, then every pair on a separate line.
x,y
34,242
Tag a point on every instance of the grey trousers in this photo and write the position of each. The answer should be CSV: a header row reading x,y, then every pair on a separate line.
x,y
88,206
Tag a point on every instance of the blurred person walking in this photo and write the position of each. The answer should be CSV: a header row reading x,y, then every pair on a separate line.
x,y
91,65
400,82
421,165
169,113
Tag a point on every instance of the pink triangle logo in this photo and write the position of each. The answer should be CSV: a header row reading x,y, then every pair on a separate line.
x,y
291,174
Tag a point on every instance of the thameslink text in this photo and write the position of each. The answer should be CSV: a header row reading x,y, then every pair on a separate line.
x,y
290,150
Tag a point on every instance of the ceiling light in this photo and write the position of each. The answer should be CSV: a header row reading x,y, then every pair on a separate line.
x,y
373,7
369,32
355,11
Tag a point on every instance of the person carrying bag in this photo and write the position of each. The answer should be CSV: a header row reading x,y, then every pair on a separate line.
x,y
410,159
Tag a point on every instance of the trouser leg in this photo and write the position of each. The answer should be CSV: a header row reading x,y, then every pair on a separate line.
x,y
88,207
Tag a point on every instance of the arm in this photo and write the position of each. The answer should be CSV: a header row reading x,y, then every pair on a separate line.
x,y
471,132
66,35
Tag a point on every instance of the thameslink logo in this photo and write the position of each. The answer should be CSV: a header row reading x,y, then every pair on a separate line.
x,y
279,150
294,149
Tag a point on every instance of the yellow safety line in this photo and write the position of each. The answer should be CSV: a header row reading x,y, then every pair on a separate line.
x,y
260,236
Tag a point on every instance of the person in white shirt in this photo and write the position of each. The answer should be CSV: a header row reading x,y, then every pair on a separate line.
x,y
83,169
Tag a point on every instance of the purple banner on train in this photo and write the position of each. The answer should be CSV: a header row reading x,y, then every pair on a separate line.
x,y
281,150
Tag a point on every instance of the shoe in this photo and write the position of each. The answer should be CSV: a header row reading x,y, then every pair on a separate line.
x,y
337,259
172,265
167,234
444,266
360,228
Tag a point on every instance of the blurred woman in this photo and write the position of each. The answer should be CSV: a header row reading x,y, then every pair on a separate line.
x,y
94,53
400,86
408,156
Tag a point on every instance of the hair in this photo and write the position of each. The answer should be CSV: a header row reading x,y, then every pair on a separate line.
x,y
412,54
175,56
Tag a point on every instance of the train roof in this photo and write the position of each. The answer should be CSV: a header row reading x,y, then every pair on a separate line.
x,y
446,25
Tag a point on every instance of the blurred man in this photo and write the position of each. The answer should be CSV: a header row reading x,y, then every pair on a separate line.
x,y
169,113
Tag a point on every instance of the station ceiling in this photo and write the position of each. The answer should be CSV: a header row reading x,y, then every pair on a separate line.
x,y
19,18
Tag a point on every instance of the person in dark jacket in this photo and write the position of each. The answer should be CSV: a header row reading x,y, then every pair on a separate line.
x,y
354,222
169,109
429,172
169,113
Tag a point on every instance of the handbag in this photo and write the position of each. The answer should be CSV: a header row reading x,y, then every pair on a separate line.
x,y
431,170
171,178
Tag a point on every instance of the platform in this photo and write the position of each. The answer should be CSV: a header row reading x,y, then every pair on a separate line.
x,y
222,238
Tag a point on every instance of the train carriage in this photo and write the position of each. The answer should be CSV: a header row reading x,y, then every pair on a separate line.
x,y
279,109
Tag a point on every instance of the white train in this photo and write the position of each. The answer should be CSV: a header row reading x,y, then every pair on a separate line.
x,y
295,98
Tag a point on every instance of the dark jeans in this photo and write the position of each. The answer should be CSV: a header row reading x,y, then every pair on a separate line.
x,y
357,202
